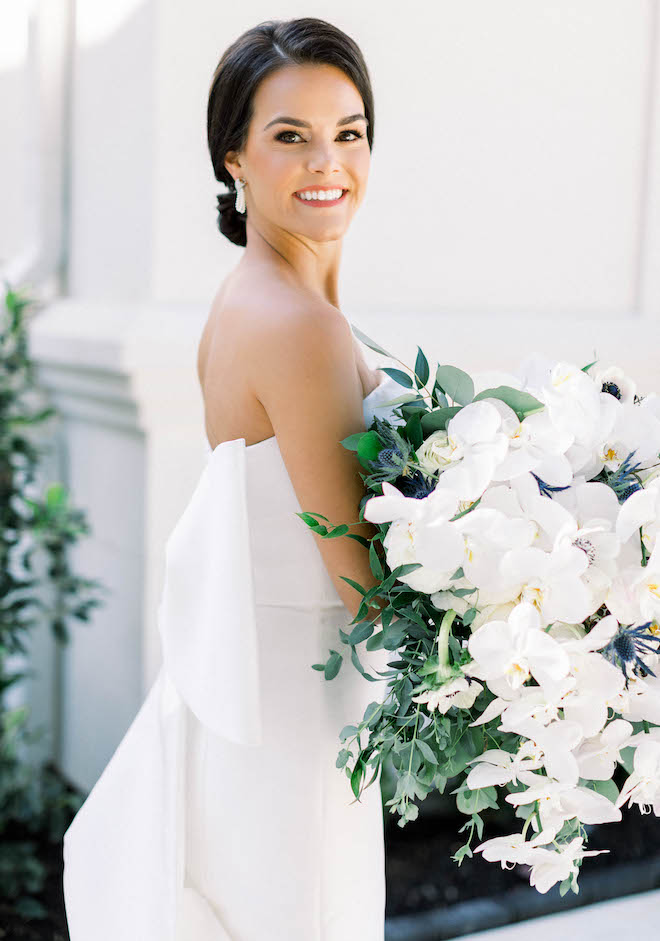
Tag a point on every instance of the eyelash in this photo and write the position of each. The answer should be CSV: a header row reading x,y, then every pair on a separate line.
x,y
279,136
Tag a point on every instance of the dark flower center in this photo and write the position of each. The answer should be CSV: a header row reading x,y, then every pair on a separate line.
x,y
612,388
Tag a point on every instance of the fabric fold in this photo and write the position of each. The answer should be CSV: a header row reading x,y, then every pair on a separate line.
x,y
124,851
207,613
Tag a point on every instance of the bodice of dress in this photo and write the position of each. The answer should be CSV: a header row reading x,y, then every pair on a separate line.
x,y
285,571
238,546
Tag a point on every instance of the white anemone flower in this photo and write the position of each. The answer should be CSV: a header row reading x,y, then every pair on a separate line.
x,y
456,692
597,757
616,382
513,650
559,801
643,785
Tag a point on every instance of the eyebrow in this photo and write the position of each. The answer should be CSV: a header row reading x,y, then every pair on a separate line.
x,y
285,119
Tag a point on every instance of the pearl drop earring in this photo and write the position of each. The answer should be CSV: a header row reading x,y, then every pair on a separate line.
x,y
240,195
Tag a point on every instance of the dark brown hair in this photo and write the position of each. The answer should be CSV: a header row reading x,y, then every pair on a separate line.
x,y
259,52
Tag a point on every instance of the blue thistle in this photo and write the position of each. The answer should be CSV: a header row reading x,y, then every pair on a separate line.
x,y
388,459
415,484
546,490
623,481
624,650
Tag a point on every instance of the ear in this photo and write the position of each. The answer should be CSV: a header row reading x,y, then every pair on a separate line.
x,y
233,164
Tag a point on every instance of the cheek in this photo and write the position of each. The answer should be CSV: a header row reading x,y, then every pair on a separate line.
x,y
359,163
275,173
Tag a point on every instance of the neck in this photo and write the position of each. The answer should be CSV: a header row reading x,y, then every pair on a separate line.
x,y
313,265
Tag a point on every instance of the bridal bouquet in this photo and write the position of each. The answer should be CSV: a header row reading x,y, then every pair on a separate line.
x,y
518,549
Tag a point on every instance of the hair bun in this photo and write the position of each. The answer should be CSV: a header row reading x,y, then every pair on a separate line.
x,y
230,222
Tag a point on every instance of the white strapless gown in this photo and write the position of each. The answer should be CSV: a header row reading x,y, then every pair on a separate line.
x,y
221,815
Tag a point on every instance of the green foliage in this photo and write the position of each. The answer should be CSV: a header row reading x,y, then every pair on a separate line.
x,y
421,749
522,403
37,532
455,383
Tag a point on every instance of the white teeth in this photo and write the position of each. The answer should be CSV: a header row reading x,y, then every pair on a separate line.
x,y
322,194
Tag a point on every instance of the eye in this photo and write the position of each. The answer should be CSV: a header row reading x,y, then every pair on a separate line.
x,y
280,136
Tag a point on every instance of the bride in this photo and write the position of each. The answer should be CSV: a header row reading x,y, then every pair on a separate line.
x,y
222,815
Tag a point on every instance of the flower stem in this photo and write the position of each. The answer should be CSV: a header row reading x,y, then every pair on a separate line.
x,y
444,669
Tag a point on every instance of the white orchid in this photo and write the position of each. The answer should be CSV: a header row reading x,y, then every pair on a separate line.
x,y
576,405
559,801
597,756
556,741
535,444
456,692
475,446
636,432
643,785
640,700
556,577
641,510
556,865
511,850
508,652
647,587
496,766
551,580
541,703
419,527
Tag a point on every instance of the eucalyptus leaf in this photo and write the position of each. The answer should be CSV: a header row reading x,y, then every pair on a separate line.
x,y
333,665
399,376
360,633
376,347
421,369
438,418
456,383
521,402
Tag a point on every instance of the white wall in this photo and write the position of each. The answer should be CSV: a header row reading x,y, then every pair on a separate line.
x,y
513,204
512,161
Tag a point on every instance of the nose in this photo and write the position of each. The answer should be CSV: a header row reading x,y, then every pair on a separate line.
x,y
323,158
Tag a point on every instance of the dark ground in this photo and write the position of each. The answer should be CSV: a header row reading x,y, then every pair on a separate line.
x,y
419,872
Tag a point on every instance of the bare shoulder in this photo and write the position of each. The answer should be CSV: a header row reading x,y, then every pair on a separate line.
x,y
295,339
291,368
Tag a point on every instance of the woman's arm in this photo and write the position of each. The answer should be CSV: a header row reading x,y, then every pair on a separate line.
x,y
304,373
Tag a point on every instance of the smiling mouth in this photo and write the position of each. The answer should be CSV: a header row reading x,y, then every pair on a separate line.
x,y
320,202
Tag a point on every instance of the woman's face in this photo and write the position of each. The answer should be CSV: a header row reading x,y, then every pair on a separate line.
x,y
299,140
